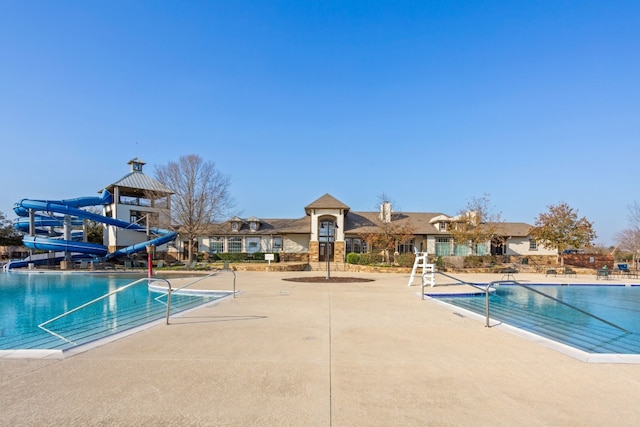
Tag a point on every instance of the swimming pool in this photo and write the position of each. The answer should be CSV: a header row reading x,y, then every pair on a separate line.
x,y
605,320
29,299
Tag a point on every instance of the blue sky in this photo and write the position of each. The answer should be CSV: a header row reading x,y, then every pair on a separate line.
x,y
430,102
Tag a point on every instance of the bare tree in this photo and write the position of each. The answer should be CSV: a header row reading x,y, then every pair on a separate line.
x,y
476,224
629,238
201,195
392,229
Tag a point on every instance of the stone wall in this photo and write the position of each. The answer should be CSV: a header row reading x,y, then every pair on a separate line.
x,y
590,260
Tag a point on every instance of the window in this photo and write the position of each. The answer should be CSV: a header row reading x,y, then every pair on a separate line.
x,y
533,245
253,245
235,226
406,246
136,217
216,245
443,246
234,244
460,250
326,230
481,249
277,244
442,226
355,245
253,226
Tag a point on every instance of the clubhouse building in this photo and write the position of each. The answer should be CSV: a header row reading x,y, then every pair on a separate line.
x,y
328,231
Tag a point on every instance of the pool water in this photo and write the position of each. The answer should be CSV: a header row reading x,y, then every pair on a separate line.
x,y
29,299
611,324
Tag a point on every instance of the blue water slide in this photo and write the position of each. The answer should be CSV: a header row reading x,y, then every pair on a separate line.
x,y
56,211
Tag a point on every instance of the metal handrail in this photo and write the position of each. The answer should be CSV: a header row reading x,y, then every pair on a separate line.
x,y
462,282
80,307
170,290
515,282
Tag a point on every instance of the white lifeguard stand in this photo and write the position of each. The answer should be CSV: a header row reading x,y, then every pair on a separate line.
x,y
427,269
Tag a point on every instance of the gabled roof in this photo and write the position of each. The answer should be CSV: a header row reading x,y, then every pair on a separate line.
x,y
356,223
514,229
364,222
439,218
326,202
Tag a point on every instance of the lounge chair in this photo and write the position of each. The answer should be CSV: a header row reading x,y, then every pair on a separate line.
x,y
623,270
568,271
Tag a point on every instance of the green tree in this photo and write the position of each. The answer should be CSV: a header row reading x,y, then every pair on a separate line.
x,y
201,196
9,236
560,228
476,224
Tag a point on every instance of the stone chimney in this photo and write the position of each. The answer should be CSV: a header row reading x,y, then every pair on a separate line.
x,y
385,212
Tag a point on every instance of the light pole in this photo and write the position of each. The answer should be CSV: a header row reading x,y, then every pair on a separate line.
x,y
327,252
330,237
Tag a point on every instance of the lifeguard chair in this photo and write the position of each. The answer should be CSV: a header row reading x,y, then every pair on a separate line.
x,y
421,263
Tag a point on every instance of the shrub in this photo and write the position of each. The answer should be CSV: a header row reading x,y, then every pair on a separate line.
x,y
361,259
353,258
259,256
405,260
234,257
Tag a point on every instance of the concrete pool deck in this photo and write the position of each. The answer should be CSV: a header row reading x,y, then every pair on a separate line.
x,y
310,354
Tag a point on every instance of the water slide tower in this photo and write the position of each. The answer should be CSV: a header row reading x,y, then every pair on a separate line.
x,y
138,199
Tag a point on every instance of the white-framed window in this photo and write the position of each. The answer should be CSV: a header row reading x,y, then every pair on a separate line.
x,y
253,226
234,244
443,225
460,250
533,245
443,246
481,249
235,226
277,244
253,244
216,245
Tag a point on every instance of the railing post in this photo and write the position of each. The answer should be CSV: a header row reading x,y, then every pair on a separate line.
x,y
168,303
486,301
486,305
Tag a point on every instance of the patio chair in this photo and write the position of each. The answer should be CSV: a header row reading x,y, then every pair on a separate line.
x,y
568,271
623,270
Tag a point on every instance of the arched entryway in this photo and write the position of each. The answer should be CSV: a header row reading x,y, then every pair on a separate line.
x,y
326,239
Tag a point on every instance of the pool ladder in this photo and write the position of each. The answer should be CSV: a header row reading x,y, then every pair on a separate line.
x,y
149,280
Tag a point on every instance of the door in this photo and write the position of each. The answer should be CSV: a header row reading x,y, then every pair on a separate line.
x,y
326,248
326,238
